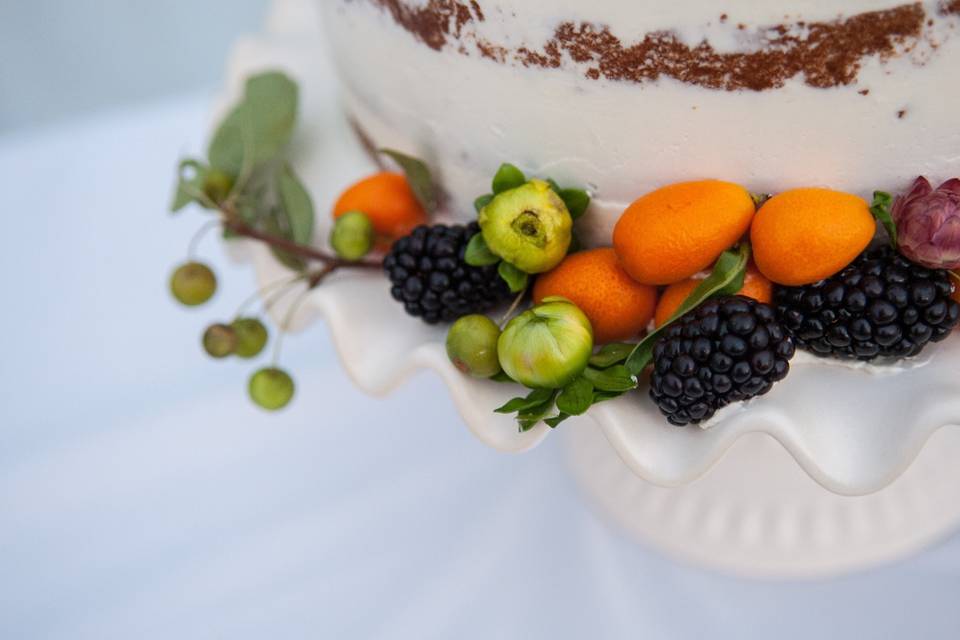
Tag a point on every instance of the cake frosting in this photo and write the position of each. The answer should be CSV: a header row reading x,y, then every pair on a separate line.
x,y
622,98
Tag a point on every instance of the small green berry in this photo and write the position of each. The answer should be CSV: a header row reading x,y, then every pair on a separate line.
x,y
271,388
220,340
193,283
352,235
217,185
472,346
251,337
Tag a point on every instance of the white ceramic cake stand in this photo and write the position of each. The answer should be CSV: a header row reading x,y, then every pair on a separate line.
x,y
826,474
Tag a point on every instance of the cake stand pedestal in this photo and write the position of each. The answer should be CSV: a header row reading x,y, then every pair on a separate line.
x,y
756,513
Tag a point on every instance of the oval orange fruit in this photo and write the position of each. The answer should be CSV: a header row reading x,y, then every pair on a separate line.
x,y
805,235
618,307
755,286
387,199
676,231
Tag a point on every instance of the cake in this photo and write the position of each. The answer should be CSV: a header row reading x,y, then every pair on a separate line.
x,y
624,97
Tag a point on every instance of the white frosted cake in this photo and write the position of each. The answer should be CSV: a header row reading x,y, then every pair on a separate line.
x,y
623,97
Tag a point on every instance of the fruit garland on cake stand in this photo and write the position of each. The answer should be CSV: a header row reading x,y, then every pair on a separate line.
x,y
692,317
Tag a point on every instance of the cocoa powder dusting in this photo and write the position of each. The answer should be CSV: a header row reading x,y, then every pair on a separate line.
x,y
824,54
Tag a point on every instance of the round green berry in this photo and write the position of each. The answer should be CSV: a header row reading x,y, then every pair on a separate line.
x,y
251,337
472,346
217,185
352,235
193,283
220,340
271,388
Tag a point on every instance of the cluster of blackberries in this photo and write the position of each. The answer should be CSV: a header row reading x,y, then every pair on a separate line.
x,y
727,350
430,277
882,305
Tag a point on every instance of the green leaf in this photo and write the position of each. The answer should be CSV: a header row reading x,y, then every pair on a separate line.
x,y
507,177
529,418
515,279
482,201
576,397
611,354
478,254
296,204
615,379
554,186
191,175
533,399
257,128
555,421
576,200
725,279
882,201
276,223
603,396
418,175
502,377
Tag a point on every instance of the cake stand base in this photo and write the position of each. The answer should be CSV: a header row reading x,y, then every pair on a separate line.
x,y
757,514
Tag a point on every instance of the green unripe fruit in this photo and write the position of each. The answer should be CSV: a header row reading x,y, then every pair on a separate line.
x,y
217,185
528,226
271,388
193,283
219,340
352,235
251,337
547,346
472,346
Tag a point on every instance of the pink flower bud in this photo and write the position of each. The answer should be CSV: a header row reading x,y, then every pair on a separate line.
x,y
928,223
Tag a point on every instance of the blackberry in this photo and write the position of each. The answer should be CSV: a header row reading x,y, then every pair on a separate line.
x,y
432,280
728,349
882,305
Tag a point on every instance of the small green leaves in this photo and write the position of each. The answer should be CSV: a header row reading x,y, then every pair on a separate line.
x,y
296,203
576,397
478,254
515,278
615,379
418,176
259,127
577,201
532,400
611,354
725,279
507,177
191,177
482,201
880,208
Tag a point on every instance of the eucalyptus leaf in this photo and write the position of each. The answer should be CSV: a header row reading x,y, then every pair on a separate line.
x,y
577,201
482,201
725,279
882,201
576,397
533,399
515,278
615,379
418,175
611,354
257,128
507,177
297,205
478,254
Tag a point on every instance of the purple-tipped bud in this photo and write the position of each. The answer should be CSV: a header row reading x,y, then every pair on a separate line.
x,y
928,223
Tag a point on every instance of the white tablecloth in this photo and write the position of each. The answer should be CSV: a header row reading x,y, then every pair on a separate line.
x,y
141,496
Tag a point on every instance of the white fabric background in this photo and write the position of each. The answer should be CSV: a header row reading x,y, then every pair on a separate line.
x,y
141,496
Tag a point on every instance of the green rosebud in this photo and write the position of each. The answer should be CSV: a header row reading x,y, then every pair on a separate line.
x,y
193,284
528,226
219,340
472,346
251,337
271,388
548,346
352,235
